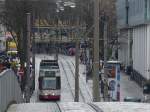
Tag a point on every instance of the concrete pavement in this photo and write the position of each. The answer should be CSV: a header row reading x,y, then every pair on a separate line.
x,y
129,88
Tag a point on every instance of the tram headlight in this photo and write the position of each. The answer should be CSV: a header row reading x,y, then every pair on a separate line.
x,y
44,93
53,94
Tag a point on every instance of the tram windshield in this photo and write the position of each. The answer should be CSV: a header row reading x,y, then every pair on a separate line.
x,y
49,67
49,83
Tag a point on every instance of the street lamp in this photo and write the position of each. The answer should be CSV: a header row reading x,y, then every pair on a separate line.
x,y
57,10
73,6
69,3
60,7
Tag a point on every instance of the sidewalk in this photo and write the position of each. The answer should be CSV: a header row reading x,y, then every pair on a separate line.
x,y
129,88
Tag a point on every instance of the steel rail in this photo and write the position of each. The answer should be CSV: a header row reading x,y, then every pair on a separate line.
x,y
67,79
83,83
95,107
58,107
74,78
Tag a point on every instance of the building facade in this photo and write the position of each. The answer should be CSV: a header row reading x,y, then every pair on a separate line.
x,y
133,18
2,39
2,30
2,5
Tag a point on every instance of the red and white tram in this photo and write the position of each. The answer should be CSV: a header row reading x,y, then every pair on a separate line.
x,y
49,81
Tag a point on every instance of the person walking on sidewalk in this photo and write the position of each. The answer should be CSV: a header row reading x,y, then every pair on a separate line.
x,y
102,86
81,57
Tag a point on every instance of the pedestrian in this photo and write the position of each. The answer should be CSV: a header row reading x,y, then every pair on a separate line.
x,y
85,59
4,65
7,64
20,74
1,66
102,86
81,58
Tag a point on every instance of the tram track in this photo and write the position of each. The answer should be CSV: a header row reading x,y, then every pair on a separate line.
x,y
74,79
95,107
65,73
83,83
58,107
73,74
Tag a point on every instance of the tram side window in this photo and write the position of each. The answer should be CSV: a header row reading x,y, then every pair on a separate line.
x,y
40,84
58,86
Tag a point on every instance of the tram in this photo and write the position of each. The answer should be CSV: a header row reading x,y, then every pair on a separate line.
x,y
49,80
49,64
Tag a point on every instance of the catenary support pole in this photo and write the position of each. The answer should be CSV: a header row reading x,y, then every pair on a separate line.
x,y
105,63
77,72
57,36
96,92
33,56
33,62
28,57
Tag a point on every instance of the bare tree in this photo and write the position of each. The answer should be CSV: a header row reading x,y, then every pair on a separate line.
x,y
14,18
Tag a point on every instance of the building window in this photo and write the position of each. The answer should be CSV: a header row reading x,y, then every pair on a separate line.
x,y
127,12
3,43
146,10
